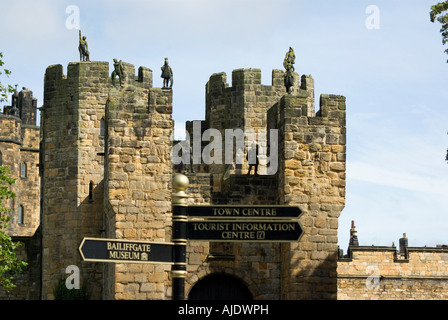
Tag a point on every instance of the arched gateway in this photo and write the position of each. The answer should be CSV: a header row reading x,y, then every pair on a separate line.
x,y
219,287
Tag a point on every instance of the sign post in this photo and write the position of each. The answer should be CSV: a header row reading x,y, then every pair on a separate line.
x,y
179,238
242,223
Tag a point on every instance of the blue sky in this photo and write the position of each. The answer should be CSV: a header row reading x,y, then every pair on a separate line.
x,y
394,78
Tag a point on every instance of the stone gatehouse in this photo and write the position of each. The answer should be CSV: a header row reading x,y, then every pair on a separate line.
x,y
103,168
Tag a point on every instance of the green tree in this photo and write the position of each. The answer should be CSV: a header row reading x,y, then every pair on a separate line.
x,y
10,265
439,12
4,89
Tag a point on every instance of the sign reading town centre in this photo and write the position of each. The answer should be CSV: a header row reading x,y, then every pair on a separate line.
x,y
246,211
244,223
113,250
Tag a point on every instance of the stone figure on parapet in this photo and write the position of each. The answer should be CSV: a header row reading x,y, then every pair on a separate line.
x,y
252,158
167,75
288,63
290,60
118,71
84,54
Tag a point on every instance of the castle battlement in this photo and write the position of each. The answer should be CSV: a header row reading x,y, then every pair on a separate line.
x,y
106,150
87,72
19,152
245,104
381,272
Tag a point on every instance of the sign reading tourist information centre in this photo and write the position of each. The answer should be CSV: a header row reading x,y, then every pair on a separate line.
x,y
244,223
246,231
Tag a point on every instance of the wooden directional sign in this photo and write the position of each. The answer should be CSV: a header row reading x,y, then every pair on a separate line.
x,y
244,212
244,230
113,250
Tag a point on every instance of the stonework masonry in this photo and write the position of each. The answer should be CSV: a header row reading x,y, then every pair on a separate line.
x,y
114,153
100,165
385,273
311,175
19,151
110,176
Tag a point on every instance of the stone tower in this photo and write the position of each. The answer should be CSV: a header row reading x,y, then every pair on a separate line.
x,y
106,171
108,168
19,152
310,173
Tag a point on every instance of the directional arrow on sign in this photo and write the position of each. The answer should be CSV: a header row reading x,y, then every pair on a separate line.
x,y
244,231
113,250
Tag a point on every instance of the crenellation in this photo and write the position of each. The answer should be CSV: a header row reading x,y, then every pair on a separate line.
x,y
332,107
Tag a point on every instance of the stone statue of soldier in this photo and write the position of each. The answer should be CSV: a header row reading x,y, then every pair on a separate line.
x,y
83,48
251,154
167,75
290,59
118,71
288,63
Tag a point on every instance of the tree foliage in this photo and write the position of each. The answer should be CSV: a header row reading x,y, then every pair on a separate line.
x,y
4,89
10,265
439,12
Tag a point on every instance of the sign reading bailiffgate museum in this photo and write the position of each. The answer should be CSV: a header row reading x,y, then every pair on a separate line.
x,y
113,250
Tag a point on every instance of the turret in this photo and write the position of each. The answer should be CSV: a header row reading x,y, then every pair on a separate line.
x,y
353,235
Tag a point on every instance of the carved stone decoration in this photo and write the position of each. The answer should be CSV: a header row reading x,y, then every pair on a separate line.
x,y
288,63
83,48
167,75
118,71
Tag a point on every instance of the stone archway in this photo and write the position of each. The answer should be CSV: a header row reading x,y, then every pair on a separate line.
x,y
220,287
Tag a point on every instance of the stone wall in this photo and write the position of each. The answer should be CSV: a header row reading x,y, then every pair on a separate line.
x,y
27,282
19,151
100,140
72,150
382,273
139,174
312,176
244,105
